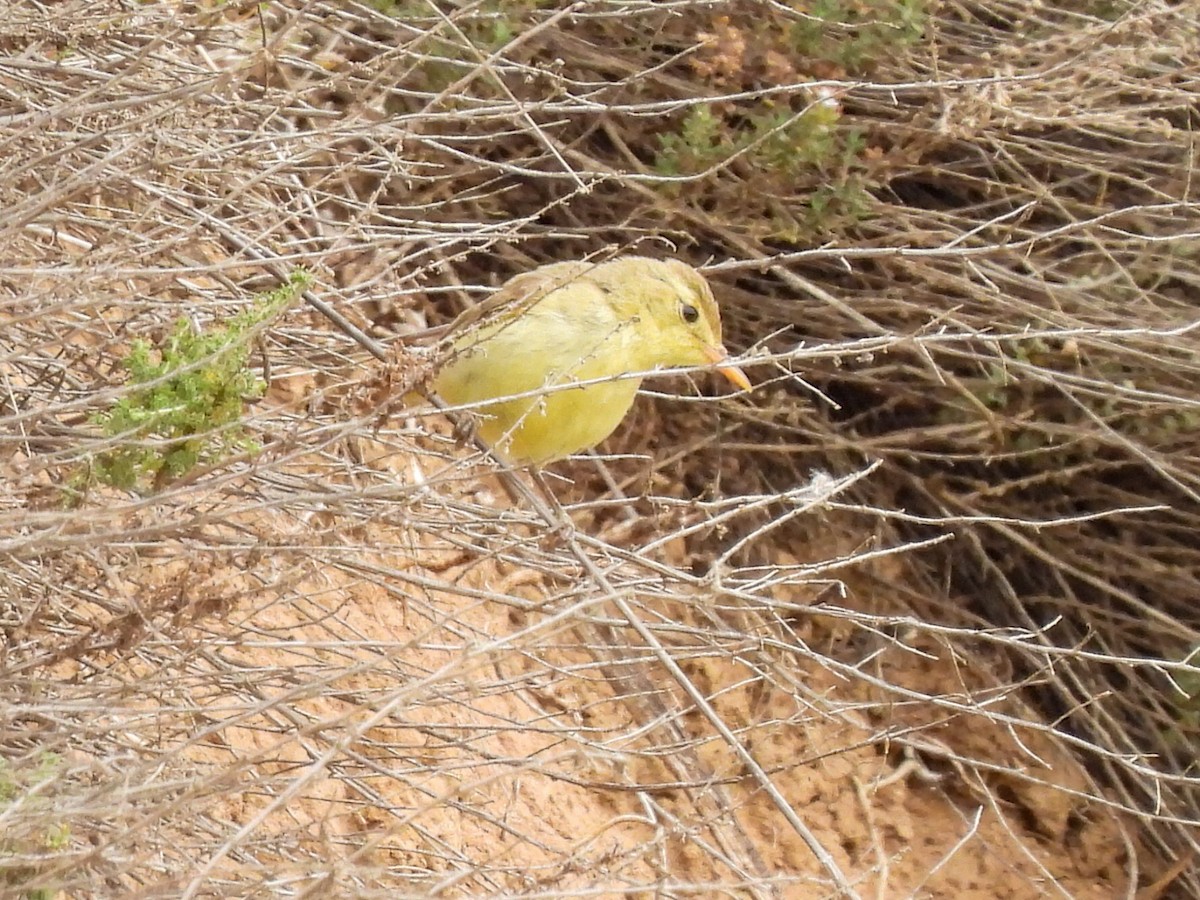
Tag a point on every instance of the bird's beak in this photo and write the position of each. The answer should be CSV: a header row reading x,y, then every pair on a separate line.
x,y
733,373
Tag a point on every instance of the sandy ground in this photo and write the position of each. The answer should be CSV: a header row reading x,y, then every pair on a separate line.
x,y
372,705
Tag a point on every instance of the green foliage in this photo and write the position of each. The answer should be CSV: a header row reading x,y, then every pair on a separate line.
x,y
13,783
789,143
807,153
780,145
25,787
1110,10
1026,405
845,200
1187,704
855,33
395,8
778,141
451,51
700,143
189,398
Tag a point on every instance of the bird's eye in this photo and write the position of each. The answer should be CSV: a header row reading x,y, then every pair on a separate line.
x,y
690,314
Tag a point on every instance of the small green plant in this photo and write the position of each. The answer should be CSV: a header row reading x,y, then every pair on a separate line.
x,y
19,852
782,146
812,171
778,141
188,397
787,143
837,202
854,34
1186,699
450,47
700,142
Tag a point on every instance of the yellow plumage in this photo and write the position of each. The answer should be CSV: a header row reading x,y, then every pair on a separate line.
x,y
571,322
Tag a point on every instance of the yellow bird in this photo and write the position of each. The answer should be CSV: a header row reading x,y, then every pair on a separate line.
x,y
571,322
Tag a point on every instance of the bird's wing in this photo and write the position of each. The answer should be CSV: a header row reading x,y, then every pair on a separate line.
x,y
516,295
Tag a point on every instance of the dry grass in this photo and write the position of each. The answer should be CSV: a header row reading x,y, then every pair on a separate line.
x,y
949,542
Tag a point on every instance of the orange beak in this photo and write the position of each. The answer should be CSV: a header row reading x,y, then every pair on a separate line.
x,y
719,354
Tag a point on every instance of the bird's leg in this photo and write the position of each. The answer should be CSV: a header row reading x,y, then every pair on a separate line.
x,y
562,530
465,429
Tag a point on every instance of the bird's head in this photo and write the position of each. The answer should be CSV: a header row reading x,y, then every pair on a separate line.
x,y
679,323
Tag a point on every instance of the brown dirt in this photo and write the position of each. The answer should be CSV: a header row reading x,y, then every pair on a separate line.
x,y
420,739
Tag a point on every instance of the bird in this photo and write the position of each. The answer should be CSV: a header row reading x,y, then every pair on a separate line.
x,y
569,322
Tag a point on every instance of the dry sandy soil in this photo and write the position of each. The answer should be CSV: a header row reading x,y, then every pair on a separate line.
x,y
370,702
